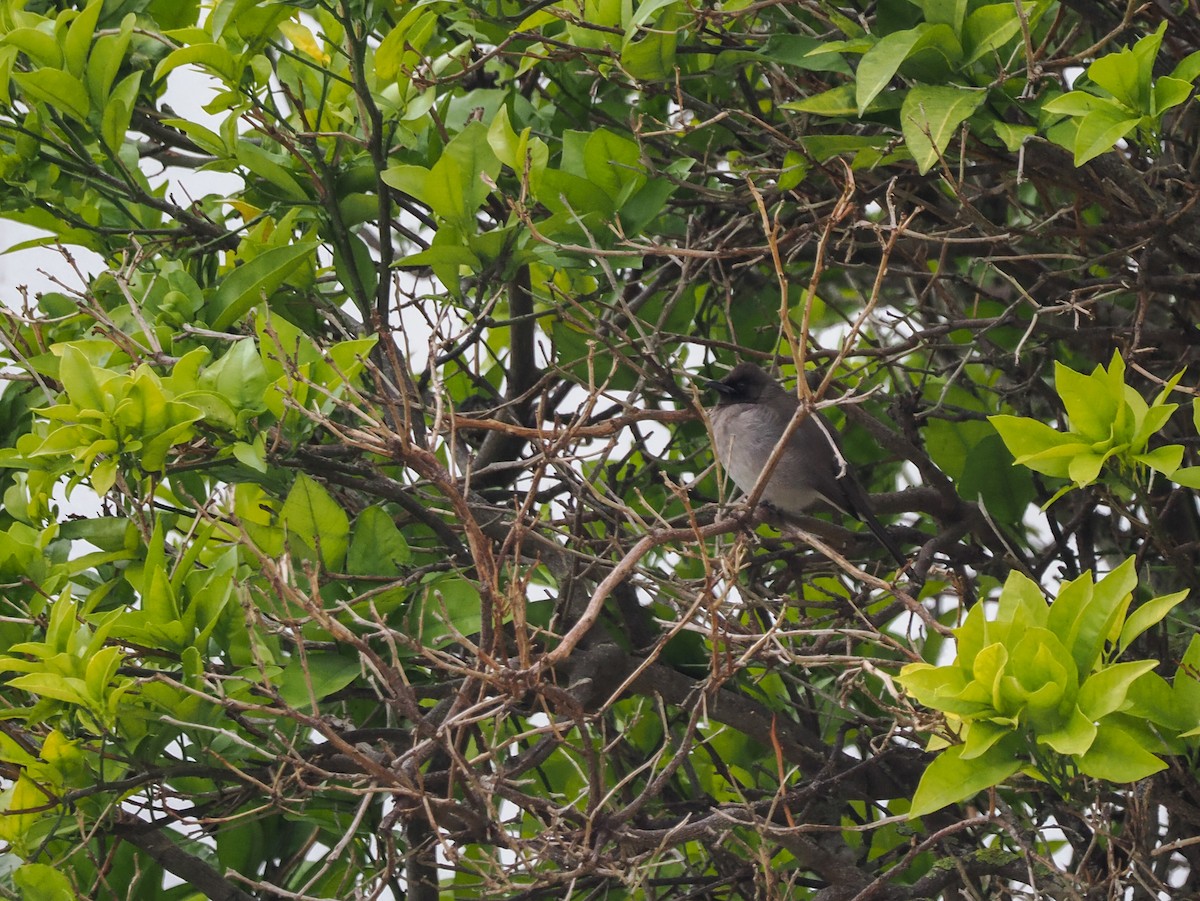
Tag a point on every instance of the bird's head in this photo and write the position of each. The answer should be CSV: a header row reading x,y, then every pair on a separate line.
x,y
747,383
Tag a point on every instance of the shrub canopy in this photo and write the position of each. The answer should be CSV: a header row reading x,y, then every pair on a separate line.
x,y
411,572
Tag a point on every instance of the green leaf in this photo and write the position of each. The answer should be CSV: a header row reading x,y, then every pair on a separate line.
x,y
643,15
40,46
118,110
403,43
652,58
213,57
1165,459
256,511
947,12
1117,756
1104,691
1117,73
1185,692
1153,419
238,377
504,140
1100,130
1013,136
317,519
1039,683
377,548
411,180
455,187
253,282
950,778
206,139
1038,446
42,882
1085,467
990,27
8,60
989,665
980,736
158,600
574,195
1091,408
79,380
323,673
251,454
104,61
101,669
1075,103
57,89
804,52
68,689
270,168
445,260
612,162
80,36
26,795
1145,51
881,63
951,443
648,201
990,478
1075,737
1126,74
836,102
1148,614
1022,603
104,475
1168,93
1086,620
972,635
105,532
930,118
1151,699
933,686
449,608
1188,69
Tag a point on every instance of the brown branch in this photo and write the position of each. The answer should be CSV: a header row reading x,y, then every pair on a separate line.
x,y
621,571
152,838
463,422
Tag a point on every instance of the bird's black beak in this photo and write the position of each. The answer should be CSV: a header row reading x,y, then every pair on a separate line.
x,y
720,387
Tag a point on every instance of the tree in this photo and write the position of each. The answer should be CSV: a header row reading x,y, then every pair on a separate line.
x,y
412,571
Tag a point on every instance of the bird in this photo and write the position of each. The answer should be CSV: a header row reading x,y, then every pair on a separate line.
x,y
752,412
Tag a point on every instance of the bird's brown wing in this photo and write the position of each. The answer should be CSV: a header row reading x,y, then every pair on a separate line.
x,y
836,484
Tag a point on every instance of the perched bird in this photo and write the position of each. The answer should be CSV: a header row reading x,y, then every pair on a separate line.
x,y
752,413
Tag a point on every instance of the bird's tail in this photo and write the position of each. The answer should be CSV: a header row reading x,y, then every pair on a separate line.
x,y
879,531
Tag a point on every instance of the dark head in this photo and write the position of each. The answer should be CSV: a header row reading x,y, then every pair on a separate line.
x,y
747,383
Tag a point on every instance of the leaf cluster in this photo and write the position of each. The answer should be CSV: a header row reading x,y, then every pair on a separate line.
x,y
359,532
1037,688
1110,423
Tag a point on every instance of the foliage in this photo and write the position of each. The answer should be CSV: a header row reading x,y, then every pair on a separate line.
x,y
1111,422
1124,97
360,536
1036,688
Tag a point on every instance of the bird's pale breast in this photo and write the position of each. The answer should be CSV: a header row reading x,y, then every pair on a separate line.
x,y
745,437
